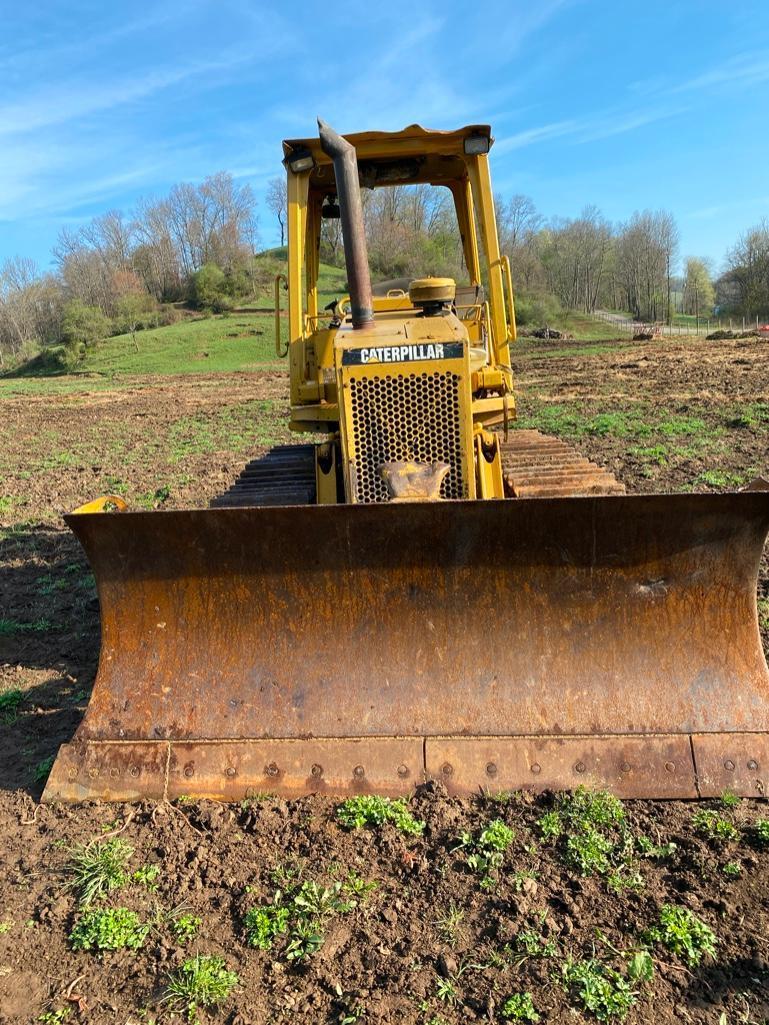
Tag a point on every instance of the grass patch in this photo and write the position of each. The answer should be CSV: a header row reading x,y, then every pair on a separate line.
x,y
592,837
599,988
11,627
202,981
10,703
99,867
519,1007
185,928
43,769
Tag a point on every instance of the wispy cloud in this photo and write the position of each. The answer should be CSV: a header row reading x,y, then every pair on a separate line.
x,y
60,104
602,125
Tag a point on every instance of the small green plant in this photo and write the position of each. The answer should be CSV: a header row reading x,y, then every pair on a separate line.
x,y
732,870
600,988
55,1017
263,924
357,886
519,1007
711,825
648,849
10,702
108,929
729,799
446,991
43,769
371,810
640,966
147,875
301,913
185,928
551,825
306,938
531,944
486,852
762,830
683,934
99,867
5,927
451,924
202,981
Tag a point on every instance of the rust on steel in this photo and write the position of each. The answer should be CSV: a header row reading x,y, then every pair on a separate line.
x,y
614,631
345,162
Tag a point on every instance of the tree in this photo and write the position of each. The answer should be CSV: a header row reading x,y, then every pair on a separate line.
x,y
208,288
133,310
748,271
276,201
698,292
83,325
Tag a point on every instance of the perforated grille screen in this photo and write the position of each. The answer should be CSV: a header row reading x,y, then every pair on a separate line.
x,y
399,417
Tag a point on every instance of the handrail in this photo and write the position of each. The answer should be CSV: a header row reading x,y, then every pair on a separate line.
x,y
278,279
505,261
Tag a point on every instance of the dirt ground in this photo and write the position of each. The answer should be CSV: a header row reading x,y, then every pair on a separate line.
x,y
662,416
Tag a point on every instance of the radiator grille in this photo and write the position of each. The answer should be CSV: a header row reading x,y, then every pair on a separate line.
x,y
397,417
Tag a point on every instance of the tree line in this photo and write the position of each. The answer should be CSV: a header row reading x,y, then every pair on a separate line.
x,y
199,245
583,263
118,272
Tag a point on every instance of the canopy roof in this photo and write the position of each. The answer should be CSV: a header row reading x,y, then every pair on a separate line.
x,y
412,156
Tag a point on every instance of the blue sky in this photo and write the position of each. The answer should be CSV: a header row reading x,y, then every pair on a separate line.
x,y
627,105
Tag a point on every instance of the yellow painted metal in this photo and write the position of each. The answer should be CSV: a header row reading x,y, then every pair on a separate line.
x,y
296,222
325,474
485,326
279,279
488,462
512,333
418,411
480,179
413,141
105,503
465,211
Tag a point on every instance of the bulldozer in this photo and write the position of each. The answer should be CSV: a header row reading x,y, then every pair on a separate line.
x,y
422,591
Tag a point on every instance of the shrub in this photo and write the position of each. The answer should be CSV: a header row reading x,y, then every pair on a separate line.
x,y
536,310
83,325
208,289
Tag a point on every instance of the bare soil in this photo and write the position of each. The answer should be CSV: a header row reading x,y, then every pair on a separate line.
x,y
677,420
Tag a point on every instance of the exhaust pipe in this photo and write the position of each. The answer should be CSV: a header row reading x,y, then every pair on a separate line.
x,y
353,234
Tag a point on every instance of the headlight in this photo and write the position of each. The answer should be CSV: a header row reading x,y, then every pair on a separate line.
x,y
475,144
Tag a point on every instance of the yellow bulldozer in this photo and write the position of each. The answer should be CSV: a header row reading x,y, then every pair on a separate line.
x,y
424,593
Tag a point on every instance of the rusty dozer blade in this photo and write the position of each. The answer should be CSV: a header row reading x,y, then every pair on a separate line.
x,y
608,641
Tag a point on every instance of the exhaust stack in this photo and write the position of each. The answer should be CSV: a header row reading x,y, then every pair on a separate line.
x,y
353,234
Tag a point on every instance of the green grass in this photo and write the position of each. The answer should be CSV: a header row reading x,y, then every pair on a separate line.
x,y
98,867
10,703
217,344
202,981
640,421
